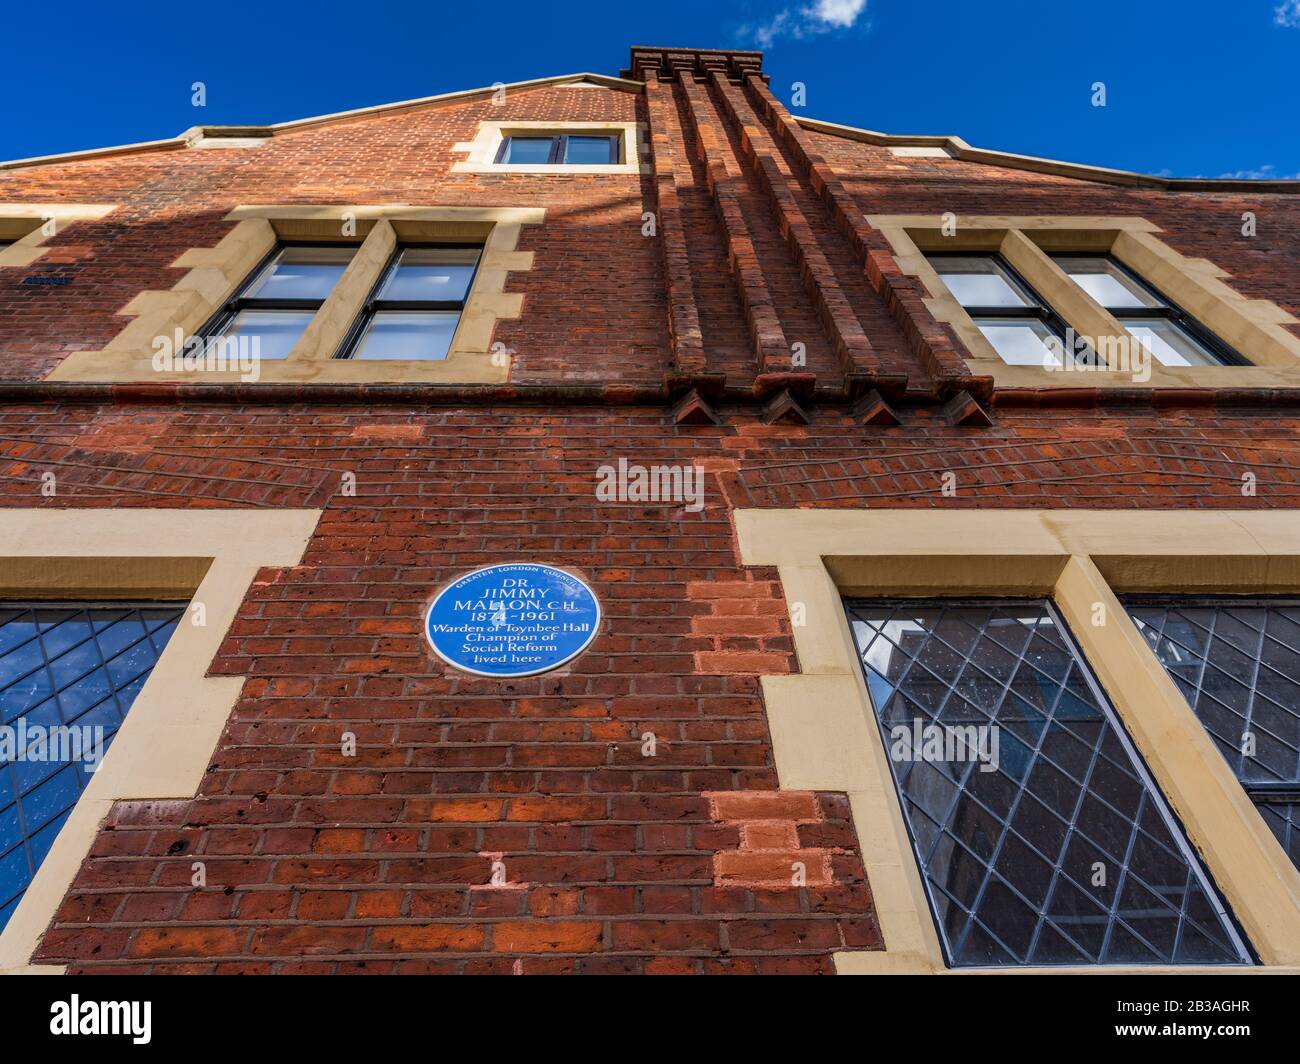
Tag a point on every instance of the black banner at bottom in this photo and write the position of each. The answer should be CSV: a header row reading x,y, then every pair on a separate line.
x,y
356,1012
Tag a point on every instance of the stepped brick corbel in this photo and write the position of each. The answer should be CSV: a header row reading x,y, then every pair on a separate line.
x,y
871,409
858,359
671,64
776,370
689,369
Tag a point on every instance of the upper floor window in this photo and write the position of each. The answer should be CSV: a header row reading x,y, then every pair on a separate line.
x,y
560,148
415,308
328,297
1136,311
1173,337
1019,324
278,301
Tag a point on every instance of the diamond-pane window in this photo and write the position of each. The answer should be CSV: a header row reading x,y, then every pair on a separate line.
x,y
1041,838
68,676
1237,662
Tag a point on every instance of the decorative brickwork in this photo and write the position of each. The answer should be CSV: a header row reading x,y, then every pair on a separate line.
x,y
624,813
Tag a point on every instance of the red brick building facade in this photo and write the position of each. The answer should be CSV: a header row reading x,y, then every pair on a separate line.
x,y
733,302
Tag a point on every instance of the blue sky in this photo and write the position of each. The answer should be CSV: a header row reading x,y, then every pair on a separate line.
x,y
1193,88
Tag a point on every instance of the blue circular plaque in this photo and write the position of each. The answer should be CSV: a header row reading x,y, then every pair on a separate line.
x,y
512,620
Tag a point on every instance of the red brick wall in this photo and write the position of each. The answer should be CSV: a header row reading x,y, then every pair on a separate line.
x,y
611,327
613,861
174,200
1197,224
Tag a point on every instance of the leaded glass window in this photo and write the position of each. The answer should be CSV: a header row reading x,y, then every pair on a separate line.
x,y
1237,662
1041,838
68,676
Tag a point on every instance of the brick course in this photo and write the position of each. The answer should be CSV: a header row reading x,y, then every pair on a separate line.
x,y
613,861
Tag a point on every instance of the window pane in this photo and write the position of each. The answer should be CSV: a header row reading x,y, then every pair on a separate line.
x,y
978,281
589,150
1169,343
276,331
301,273
79,651
439,274
1017,783
1238,665
528,150
1283,819
1107,283
1022,342
408,334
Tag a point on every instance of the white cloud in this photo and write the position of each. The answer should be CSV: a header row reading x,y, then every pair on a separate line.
x,y
764,35
823,16
843,13
1288,14
1267,172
